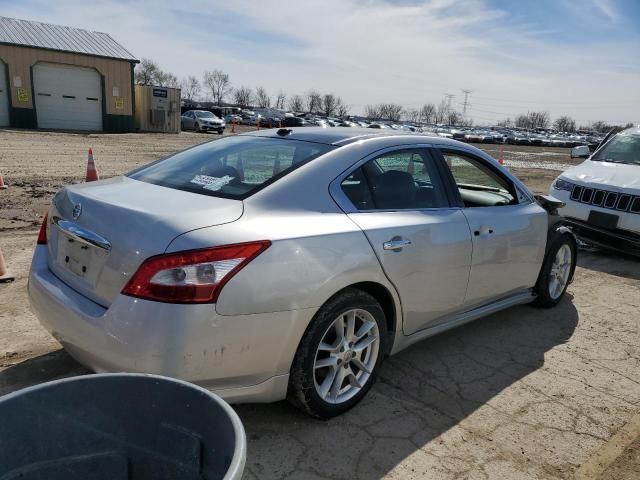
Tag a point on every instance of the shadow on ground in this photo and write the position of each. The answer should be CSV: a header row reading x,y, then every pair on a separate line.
x,y
609,262
421,393
40,369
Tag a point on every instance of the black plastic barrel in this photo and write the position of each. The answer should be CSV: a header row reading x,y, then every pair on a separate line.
x,y
119,427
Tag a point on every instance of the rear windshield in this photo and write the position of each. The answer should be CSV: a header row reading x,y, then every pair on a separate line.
x,y
232,167
623,148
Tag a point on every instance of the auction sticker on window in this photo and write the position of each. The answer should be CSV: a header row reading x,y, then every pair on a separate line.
x,y
211,183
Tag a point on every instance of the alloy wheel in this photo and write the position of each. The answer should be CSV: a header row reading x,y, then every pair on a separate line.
x,y
560,271
346,356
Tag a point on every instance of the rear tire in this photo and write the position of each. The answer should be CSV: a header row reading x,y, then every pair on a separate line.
x,y
557,272
332,372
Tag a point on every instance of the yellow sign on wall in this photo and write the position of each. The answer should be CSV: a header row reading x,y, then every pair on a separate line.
x,y
119,103
22,94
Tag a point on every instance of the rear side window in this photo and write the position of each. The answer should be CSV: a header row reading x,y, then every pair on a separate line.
x,y
232,167
398,180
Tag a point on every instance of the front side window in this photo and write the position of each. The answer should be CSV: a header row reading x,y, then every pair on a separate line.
x,y
479,185
232,167
205,115
398,180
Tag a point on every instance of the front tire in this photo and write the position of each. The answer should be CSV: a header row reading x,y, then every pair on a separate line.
x,y
339,355
557,272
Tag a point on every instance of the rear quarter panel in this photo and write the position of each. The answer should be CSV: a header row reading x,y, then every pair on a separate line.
x,y
312,256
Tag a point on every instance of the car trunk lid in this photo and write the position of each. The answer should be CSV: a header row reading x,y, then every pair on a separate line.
x,y
100,233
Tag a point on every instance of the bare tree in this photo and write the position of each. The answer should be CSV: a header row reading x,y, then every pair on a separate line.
x,y
329,104
412,115
147,72
532,120
281,99
190,88
218,84
296,103
455,118
384,111
262,98
507,122
342,110
565,124
314,101
372,112
428,113
441,112
243,97
166,79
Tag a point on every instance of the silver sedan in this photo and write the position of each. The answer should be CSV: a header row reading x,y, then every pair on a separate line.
x,y
290,262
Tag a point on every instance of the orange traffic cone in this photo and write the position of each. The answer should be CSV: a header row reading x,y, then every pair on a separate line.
x,y
233,126
2,184
92,171
5,276
501,157
258,124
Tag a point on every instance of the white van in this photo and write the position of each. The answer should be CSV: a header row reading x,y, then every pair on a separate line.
x,y
602,194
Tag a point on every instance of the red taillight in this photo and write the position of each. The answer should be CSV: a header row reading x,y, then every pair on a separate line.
x,y
193,276
42,235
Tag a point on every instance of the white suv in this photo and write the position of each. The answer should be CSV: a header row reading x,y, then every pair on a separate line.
x,y
602,194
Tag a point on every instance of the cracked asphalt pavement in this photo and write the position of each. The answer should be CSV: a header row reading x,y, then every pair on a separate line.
x,y
522,394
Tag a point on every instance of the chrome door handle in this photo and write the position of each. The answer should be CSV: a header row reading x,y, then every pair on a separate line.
x,y
395,244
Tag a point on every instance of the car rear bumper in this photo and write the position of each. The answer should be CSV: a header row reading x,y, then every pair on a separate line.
x,y
620,240
242,358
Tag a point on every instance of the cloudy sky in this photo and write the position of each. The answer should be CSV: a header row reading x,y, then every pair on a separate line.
x,y
575,57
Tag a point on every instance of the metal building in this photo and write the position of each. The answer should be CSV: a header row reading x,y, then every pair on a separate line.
x,y
58,77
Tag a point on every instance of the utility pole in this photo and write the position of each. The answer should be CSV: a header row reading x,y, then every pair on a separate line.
x,y
465,104
450,97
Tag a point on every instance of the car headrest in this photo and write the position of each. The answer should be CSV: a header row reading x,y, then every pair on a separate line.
x,y
395,189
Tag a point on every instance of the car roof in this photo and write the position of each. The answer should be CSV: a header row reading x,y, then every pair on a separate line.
x,y
342,135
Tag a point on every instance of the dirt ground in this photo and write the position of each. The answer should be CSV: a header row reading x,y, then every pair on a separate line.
x,y
522,394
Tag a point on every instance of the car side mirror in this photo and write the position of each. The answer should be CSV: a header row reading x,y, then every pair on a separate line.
x,y
549,203
581,151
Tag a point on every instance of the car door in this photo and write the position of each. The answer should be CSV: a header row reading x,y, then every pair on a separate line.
x,y
423,243
508,229
187,120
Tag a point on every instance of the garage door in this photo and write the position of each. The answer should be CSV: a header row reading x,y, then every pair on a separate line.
x,y
67,97
4,96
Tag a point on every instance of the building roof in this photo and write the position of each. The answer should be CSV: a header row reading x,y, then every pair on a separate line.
x,y
27,33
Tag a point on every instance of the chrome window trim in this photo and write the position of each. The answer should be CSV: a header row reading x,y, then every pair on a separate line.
x,y
338,195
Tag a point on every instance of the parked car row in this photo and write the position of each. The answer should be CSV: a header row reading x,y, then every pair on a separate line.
x,y
202,120
516,136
